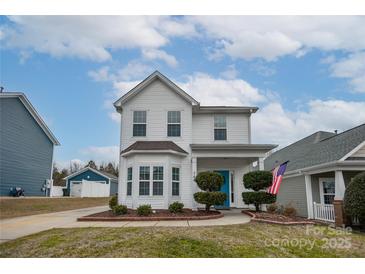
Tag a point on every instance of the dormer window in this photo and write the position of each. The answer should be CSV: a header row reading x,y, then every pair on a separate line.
x,y
139,123
220,128
173,123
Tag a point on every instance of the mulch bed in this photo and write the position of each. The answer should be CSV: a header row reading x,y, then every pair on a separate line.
x,y
159,215
272,218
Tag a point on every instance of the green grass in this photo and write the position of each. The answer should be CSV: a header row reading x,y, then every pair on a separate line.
x,y
17,207
249,240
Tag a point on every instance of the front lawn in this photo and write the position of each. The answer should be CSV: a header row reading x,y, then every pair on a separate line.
x,y
16,207
248,240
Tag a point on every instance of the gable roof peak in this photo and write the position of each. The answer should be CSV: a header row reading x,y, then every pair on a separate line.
x,y
156,74
33,112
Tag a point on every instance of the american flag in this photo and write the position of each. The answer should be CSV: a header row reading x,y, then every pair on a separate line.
x,y
277,177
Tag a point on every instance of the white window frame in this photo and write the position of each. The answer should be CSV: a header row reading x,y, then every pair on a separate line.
x,y
321,192
139,181
129,182
158,180
175,181
138,123
214,127
150,181
167,123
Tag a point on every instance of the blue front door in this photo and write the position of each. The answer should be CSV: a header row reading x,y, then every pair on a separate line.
x,y
224,187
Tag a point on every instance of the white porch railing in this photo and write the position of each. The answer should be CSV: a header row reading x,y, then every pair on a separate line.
x,y
324,212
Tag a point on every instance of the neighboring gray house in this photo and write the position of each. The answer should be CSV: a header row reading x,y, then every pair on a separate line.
x,y
26,146
319,169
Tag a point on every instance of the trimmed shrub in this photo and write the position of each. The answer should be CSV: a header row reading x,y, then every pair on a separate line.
x,y
258,198
354,200
120,209
210,183
113,202
272,208
210,198
144,210
257,180
289,210
176,207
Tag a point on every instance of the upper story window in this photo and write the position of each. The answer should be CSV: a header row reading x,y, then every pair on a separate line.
x,y
139,123
173,123
220,127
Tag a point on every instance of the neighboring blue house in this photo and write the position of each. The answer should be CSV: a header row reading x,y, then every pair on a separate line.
x,y
90,182
26,146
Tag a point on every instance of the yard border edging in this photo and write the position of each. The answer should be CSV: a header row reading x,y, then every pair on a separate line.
x,y
151,218
254,218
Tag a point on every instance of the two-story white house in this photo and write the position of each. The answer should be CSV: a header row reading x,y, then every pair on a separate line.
x,y
167,138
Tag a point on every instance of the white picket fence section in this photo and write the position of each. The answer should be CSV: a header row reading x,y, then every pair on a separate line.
x,y
324,212
56,191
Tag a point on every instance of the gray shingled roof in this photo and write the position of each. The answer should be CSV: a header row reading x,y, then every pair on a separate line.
x,y
154,145
319,148
109,175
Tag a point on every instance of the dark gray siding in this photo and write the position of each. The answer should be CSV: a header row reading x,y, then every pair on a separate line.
x,y
292,190
25,150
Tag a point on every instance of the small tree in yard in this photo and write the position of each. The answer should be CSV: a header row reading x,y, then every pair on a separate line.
x,y
257,181
354,200
210,183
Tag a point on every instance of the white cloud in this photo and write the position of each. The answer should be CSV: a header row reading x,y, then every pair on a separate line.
x,y
155,54
352,68
274,124
219,91
91,37
133,70
270,37
230,73
263,69
67,164
101,154
100,75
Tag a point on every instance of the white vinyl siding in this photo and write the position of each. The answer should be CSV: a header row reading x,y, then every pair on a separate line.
x,y
238,129
359,153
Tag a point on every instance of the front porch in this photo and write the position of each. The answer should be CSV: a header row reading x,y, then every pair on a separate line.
x,y
232,161
325,193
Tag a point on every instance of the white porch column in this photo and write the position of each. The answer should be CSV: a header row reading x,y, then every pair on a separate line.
x,y
339,185
261,163
194,167
309,194
194,172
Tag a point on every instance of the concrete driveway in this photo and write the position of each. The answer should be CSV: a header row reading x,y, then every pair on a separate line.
x,y
22,226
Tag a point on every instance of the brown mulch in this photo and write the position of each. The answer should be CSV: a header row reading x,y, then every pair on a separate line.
x,y
276,218
158,215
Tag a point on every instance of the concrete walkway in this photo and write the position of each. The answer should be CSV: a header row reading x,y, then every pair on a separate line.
x,y
22,226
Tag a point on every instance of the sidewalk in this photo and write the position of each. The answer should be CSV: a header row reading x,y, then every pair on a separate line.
x,y
21,226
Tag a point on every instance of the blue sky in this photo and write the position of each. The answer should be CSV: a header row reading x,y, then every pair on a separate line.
x,y
305,74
